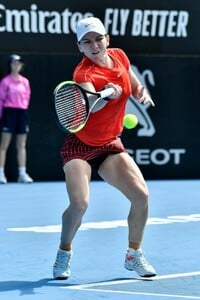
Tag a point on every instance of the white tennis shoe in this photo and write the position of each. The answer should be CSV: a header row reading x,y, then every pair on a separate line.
x,y
3,178
61,268
135,261
24,178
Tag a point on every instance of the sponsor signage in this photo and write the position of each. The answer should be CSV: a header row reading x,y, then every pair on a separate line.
x,y
146,156
139,26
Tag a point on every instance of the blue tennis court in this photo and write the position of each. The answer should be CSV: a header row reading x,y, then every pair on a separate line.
x,y
30,230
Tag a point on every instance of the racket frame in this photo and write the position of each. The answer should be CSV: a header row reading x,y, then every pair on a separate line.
x,y
100,95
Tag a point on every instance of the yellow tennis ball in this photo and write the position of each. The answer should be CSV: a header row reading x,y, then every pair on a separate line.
x,y
130,121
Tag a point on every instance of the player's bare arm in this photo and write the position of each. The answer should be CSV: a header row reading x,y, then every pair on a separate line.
x,y
138,90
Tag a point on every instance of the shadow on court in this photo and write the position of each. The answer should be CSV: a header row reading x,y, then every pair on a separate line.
x,y
29,287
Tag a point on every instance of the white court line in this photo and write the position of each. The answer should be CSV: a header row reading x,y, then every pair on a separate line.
x,y
92,286
110,224
144,294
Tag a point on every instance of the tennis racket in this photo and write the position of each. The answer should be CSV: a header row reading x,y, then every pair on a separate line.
x,y
71,105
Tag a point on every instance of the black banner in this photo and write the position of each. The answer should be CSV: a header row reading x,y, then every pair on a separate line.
x,y
151,27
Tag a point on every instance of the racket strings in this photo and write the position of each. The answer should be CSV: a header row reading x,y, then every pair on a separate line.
x,y
71,107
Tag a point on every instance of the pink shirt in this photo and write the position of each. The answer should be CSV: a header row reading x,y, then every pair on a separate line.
x,y
15,93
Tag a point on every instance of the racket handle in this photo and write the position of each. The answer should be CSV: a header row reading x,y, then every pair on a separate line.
x,y
106,93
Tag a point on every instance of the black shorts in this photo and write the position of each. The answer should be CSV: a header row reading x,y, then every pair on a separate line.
x,y
74,148
14,120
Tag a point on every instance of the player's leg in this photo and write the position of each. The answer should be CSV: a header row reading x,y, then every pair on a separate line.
x,y
121,171
7,129
21,149
22,130
4,144
77,174
21,140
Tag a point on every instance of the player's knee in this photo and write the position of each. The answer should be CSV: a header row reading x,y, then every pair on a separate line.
x,y
20,147
79,206
141,196
145,193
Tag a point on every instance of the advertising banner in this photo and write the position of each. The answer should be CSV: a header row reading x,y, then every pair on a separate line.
x,y
141,26
166,142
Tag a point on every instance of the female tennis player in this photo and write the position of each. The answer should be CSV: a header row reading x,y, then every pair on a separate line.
x,y
14,99
99,146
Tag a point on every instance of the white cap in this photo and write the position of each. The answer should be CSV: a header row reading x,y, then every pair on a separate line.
x,y
88,25
14,57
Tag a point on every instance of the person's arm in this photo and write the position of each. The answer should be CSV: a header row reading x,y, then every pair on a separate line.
x,y
1,108
138,90
3,88
89,86
2,96
3,92
28,91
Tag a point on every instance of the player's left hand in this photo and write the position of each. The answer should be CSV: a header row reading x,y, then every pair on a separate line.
x,y
143,97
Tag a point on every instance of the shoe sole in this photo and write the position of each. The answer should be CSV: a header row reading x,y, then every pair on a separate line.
x,y
61,278
20,181
149,275
145,276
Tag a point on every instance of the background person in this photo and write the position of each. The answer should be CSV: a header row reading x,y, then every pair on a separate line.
x,y
98,145
14,99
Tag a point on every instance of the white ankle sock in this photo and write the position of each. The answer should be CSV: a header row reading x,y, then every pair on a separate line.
x,y
2,172
22,170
